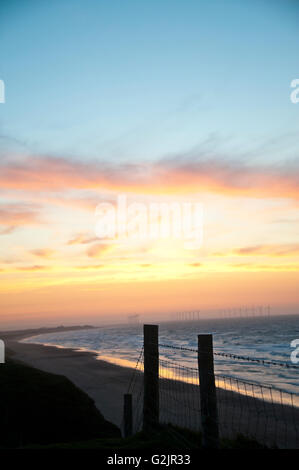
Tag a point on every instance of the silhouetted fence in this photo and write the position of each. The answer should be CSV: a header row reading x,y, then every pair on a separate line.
x,y
167,392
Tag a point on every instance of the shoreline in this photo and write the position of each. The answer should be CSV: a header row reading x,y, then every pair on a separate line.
x,y
130,366
220,378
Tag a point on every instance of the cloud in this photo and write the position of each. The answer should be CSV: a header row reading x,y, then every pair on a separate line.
x,y
33,268
249,250
181,173
265,267
268,250
81,239
97,250
43,252
13,216
67,197
91,266
7,230
195,265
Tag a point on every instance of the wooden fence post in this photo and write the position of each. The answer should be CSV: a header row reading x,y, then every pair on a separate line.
x,y
128,415
208,399
151,378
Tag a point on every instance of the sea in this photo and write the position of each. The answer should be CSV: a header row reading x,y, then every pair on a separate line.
x,y
270,339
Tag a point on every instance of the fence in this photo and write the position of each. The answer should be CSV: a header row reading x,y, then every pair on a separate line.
x,y
168,392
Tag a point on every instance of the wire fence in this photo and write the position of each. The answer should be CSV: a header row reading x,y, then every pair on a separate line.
x,y
255,411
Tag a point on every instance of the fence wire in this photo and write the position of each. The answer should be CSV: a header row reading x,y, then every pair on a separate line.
x,y
254,411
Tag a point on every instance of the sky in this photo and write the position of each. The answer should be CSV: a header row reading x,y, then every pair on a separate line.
x,y
161,101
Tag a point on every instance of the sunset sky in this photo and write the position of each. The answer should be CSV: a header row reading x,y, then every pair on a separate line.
x,y
159,100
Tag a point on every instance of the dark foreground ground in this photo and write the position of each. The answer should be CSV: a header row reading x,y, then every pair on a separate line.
x,y
41,408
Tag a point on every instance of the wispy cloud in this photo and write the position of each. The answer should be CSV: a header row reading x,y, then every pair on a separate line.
x,y
265,267
81,238
14,215
268,250
97,250
43,252
177,174
33,268
8,230
91,266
